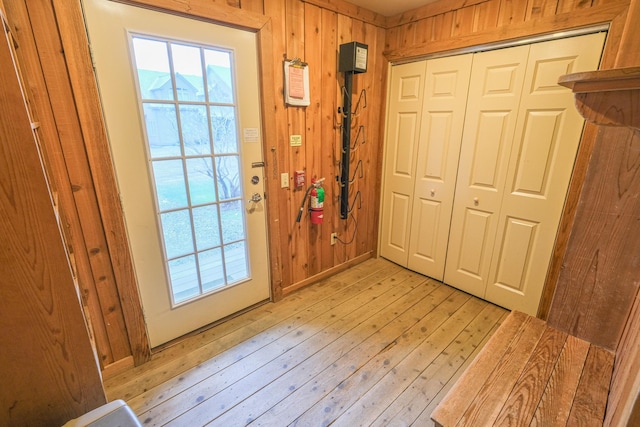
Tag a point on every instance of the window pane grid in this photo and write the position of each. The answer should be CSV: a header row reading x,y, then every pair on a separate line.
x,y
192,144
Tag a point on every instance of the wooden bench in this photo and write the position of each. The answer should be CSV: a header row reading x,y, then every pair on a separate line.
x,y
530,374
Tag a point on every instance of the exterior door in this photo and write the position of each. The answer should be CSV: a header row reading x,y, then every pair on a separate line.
x,y
546,140
492,108
180,99
443,110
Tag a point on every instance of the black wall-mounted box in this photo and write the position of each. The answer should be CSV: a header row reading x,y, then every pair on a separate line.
x,y
353,57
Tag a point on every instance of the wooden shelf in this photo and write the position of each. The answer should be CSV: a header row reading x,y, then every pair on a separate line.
x,y
607,97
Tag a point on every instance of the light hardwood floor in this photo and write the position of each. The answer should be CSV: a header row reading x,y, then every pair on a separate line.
x,y
374,345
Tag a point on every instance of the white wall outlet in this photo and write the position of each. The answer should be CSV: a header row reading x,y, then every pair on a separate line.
x,y
284,180
334,237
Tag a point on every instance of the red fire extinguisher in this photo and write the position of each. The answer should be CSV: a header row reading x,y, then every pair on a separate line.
x,y
316,205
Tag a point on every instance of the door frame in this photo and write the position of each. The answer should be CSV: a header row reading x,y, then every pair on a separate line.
x,y
584,146
94,129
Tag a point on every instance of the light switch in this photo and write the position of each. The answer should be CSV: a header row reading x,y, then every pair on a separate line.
x,y
284,180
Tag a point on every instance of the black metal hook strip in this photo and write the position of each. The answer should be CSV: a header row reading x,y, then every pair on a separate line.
x,y
357,198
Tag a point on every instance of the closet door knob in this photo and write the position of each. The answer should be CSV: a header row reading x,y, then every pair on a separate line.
x,y
476,201
433,192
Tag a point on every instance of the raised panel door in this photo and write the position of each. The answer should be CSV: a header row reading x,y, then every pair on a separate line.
x,y
444,105
492,106
403,128
546,140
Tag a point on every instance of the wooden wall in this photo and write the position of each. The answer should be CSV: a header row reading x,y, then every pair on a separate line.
x,y
57,61
449,25
312,30
599,278
48,372
94,230
304,30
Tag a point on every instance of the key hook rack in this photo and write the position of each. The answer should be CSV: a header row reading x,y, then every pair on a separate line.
x,y
353,60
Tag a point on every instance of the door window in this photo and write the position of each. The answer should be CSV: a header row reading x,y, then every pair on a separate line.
x,y
186,95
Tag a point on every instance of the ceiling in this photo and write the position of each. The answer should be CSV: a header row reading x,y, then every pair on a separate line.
x,y
390,7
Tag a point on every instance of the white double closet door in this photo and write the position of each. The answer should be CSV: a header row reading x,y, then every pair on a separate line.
x,y
479,152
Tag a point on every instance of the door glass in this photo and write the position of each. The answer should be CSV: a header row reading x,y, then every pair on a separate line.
x,y
187,97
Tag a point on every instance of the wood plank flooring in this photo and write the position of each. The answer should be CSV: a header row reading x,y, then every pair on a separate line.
x,y
374,345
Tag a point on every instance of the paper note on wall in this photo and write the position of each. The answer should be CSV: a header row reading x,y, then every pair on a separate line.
x,y
296,80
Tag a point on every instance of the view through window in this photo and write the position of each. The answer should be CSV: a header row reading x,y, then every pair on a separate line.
x,y
186,94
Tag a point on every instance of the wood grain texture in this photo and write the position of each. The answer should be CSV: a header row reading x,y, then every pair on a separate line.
x,y
429,10
589,136
415,371
337,28
607,97
494,392
312,130
541,8
47,366
269,85
351,10
486,15
459,398
307,263
166,365
255,6
278,159
428,387
375,132
90,127
616,108
570,5
625,382
628,55
512,12
59,174
83,185
463,22
329,137
590,401
535,376
296,123
327,346
599,268
555,403
222,13
518,29
521,405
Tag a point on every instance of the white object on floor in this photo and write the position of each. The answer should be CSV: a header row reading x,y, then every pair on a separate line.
x,y
113,414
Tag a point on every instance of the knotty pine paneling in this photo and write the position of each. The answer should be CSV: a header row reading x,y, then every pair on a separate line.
x,y
313,30
67,159
314,34
486,15
27,55
47,366
506,19
298,29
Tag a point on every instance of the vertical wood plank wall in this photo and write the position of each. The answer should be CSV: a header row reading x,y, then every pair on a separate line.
x,y
311,30
48,370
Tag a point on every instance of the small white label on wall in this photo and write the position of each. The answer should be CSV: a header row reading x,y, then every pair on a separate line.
x,y
251,135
